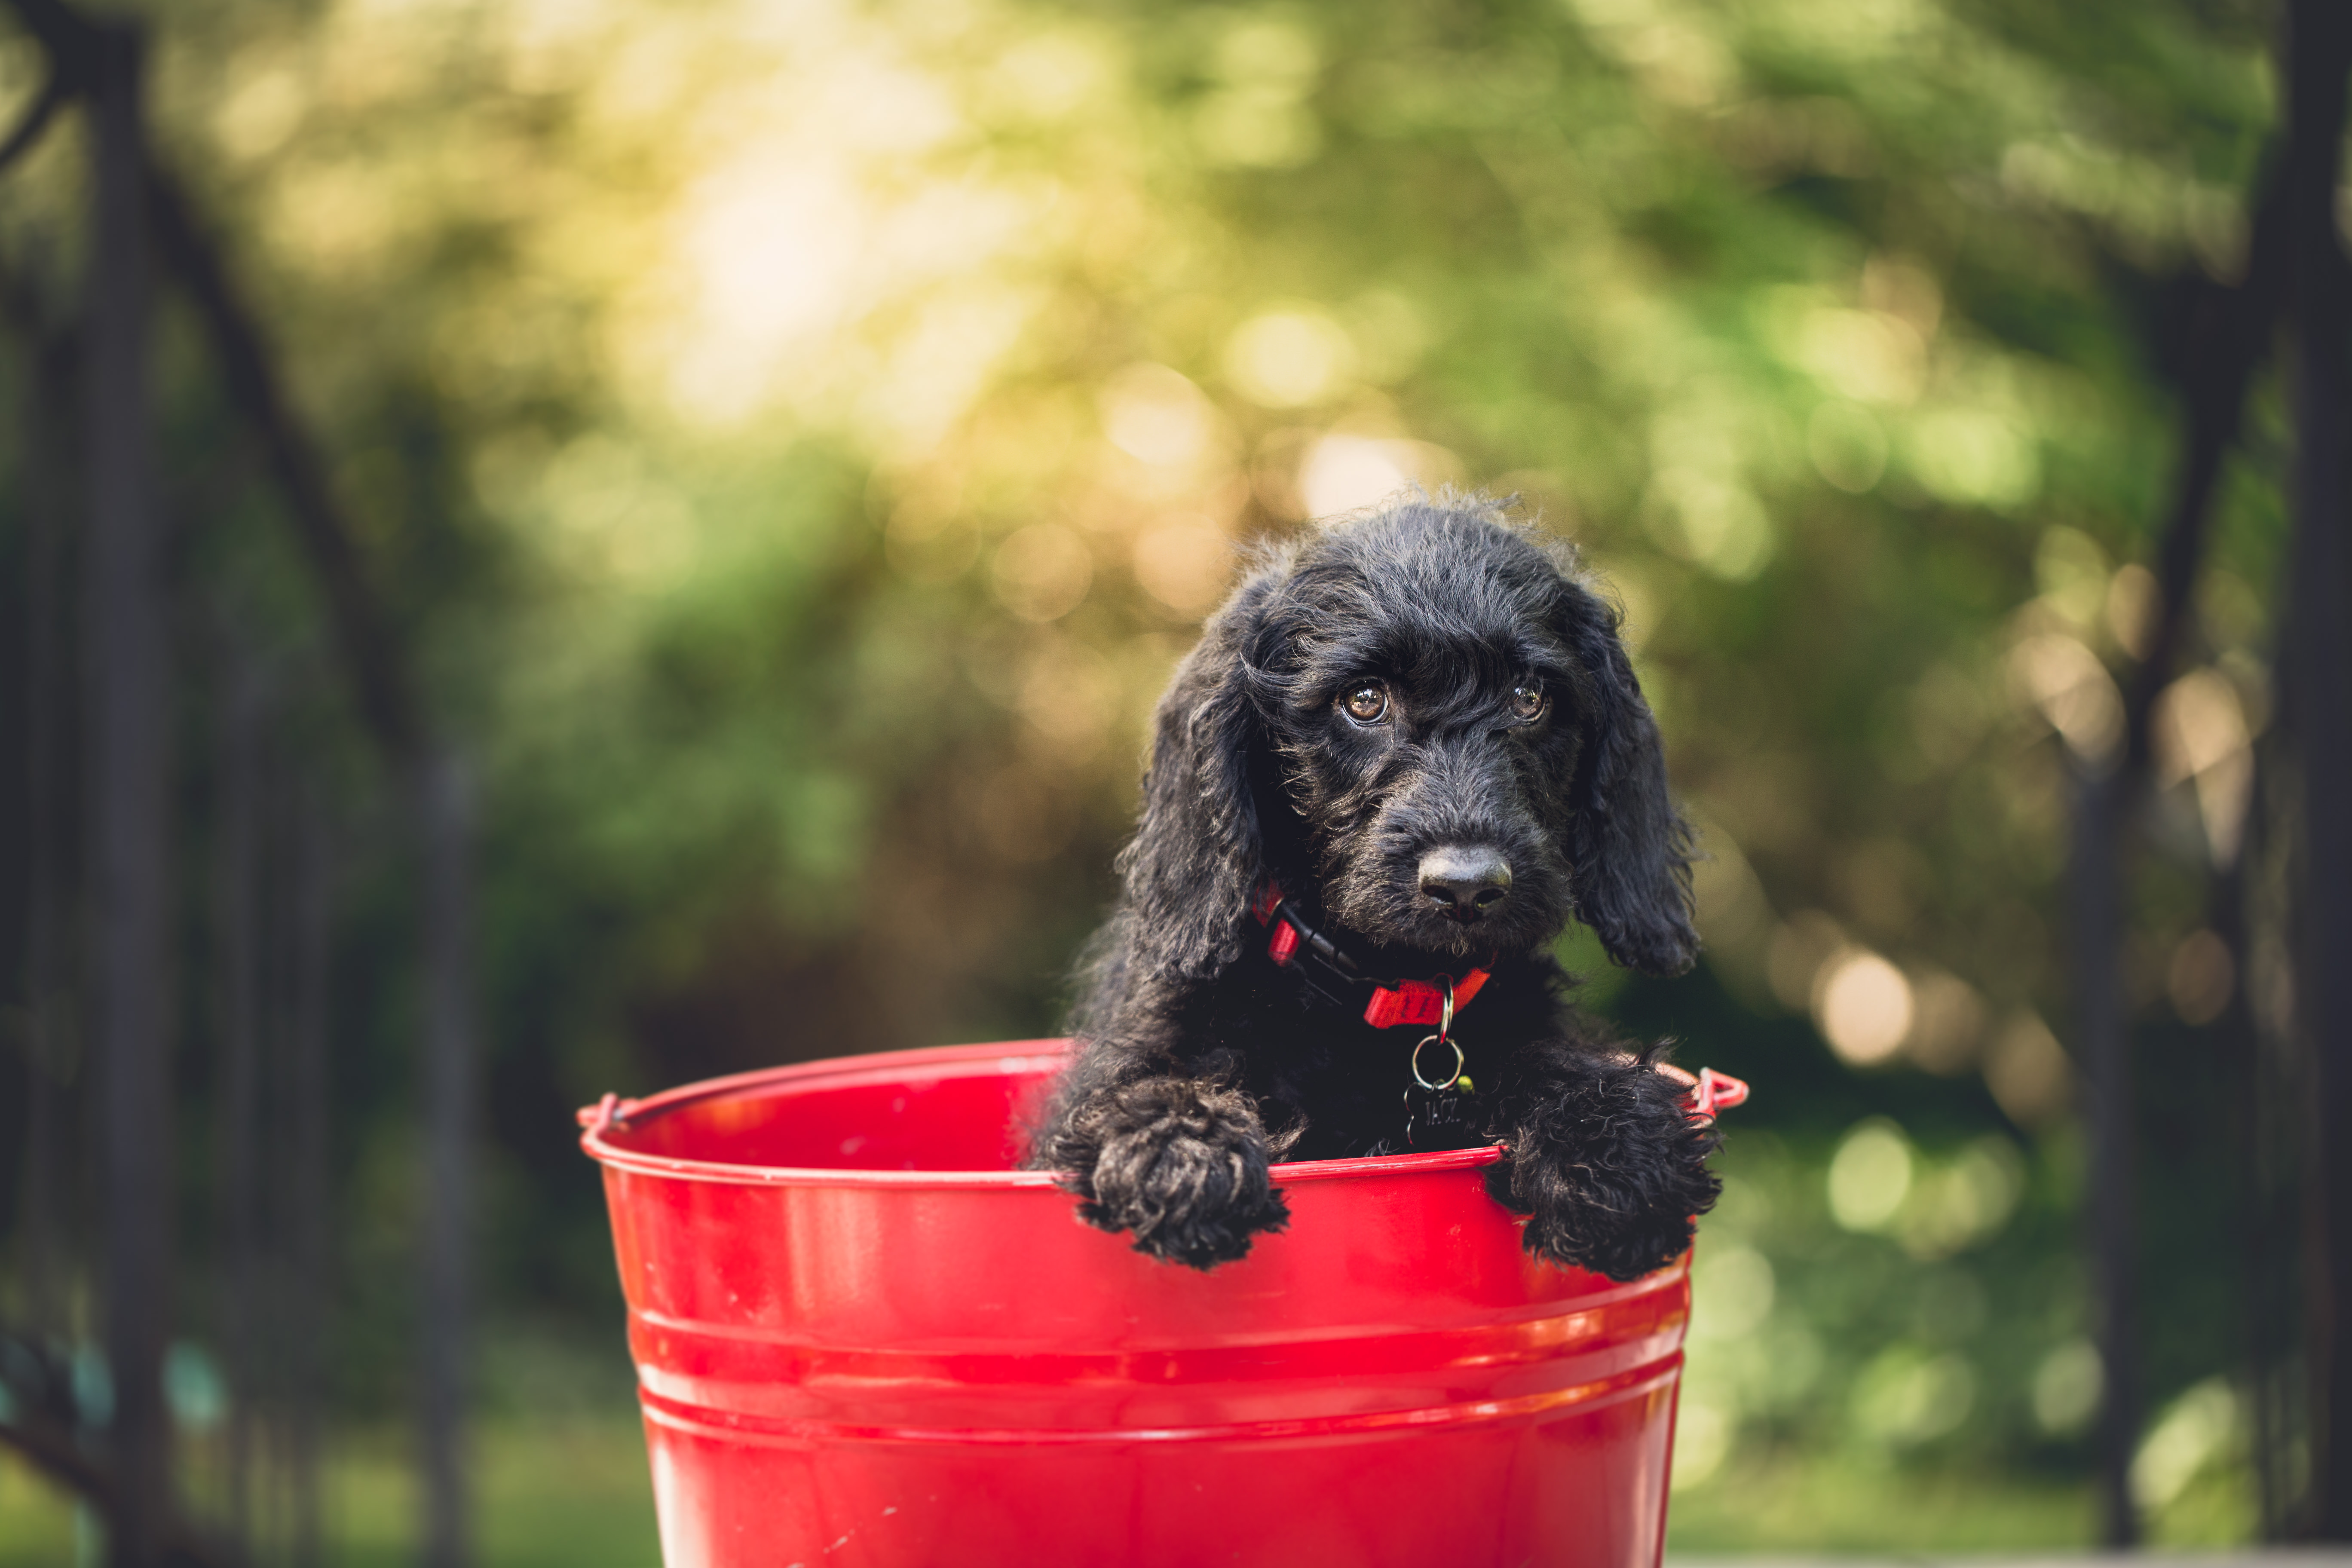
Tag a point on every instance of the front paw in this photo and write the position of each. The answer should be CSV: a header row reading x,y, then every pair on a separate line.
x,y
1612,1174
1182,1166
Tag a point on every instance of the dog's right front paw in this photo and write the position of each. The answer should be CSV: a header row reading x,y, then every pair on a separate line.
x,y
1184,1167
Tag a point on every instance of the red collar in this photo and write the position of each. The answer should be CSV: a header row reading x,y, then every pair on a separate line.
x,y
1394,1001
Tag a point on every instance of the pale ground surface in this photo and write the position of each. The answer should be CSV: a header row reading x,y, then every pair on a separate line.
x,y
2249,1557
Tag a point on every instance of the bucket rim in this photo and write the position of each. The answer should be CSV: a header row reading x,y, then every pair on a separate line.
x,y
1010,1056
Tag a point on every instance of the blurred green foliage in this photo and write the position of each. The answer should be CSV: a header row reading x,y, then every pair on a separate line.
x,y
798,439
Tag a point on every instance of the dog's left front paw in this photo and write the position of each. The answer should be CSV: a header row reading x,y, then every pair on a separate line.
x,y
1573,1229
1611,1175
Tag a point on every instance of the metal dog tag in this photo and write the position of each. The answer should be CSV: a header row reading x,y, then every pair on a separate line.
x,y
1437,1101
1437,1117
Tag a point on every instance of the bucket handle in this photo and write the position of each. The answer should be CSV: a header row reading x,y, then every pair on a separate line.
x,y
1710,1090
606,1112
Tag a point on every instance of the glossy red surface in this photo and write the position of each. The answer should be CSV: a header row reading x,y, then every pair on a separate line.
x,y
861,1339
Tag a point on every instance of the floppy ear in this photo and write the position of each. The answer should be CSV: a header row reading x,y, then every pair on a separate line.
x,y
1192,865
1632,849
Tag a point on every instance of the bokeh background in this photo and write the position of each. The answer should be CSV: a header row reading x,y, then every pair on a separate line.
x,y
793,442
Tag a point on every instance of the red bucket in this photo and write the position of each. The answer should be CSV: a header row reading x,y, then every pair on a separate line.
x,y
861,1339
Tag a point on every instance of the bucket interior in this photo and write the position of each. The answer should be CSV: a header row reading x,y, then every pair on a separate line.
x,y
967,1112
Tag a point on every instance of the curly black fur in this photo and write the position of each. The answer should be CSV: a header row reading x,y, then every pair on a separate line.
x,y
1192,1040
1603,1162
1181,1163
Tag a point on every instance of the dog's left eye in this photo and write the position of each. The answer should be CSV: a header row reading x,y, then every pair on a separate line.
x,y
1529,701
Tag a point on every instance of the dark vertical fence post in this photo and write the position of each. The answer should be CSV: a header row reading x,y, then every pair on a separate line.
x,y
237,847
2105,1034
2319,685
49,1016
2240,1039
307,1048
127,750
2228,333
130,758
445,816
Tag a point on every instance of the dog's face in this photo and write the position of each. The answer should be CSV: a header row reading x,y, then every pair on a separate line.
x,y
1426,735
1422,721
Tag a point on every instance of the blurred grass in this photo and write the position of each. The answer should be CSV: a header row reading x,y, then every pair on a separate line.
x,y
1790,1506
575,1494
36,1525
569,1495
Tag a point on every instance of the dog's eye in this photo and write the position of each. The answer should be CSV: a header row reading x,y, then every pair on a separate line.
x,y
1367,703
1529,701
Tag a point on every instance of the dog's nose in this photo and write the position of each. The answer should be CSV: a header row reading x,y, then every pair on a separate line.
x,y
1465,882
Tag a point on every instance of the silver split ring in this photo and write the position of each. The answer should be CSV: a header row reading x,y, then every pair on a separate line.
x,y
1451,1079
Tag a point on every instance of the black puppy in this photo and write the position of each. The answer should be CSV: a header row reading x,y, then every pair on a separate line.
x,y
1406,752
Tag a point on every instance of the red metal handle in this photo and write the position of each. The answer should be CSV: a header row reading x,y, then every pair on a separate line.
x,y
1710,1091
605,1112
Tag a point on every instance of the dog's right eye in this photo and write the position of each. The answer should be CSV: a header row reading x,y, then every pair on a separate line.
x,y
1367,703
